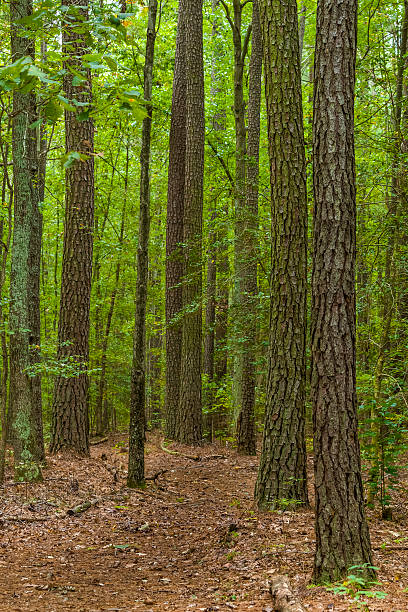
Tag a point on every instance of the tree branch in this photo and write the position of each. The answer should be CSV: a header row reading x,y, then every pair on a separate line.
x,y
246,42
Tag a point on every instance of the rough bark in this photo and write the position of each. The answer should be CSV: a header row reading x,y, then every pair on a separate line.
x,y
70,420
174,228
342,537
25,401
282,470
189,422
138,377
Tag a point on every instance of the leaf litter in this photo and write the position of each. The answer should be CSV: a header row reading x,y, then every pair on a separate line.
x,y
192,540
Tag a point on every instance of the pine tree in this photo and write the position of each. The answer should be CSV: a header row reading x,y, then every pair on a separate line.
x,y
70,421
342,536
282,470
189,423
174,228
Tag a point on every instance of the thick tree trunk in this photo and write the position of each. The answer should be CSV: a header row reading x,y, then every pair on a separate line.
x,y
282,470
342,537
70,420
25,392
138,377
189,422
249,241
174,228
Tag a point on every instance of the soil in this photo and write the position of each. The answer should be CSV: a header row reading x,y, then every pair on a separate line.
x,y
192,540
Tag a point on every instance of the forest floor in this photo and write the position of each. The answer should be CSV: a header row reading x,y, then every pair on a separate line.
x,y
192,540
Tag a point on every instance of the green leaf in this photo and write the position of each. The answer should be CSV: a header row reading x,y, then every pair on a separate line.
x,y
52,111
65,103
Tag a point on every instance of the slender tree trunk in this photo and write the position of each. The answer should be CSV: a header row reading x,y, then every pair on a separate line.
x,y
70,419
209,338
219,252
137,390
388,302
102,415
218,125
6,241
342,536
174,228
240,52
154,414
302,27
189,422
26,416
249,242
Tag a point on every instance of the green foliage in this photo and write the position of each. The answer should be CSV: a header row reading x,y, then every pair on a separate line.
x,y
358,586
384,444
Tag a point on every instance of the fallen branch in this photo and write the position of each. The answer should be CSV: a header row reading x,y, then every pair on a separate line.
x,y
192,457
83,507
25,519
100,441
283,597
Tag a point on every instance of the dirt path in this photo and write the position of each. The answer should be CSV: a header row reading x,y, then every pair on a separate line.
x,y
191,541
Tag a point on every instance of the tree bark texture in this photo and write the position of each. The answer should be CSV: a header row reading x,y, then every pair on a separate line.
x,y
342,537
189,422
138,376
282,470
174,228
246,437
25,390
70,420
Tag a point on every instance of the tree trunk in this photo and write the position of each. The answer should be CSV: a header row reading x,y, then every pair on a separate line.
x,y
174,228
282,470
6,241
246,437
25,401
240,52
70,420
101,412
342,536
209,338
138,377
189,422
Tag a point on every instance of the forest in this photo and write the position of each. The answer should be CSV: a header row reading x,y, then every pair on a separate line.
x,y
204,305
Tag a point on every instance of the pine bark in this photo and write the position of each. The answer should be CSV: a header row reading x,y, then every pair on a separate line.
x,y
70,419
25,391
282,470
246,439
189,422
138,376
342,536
174,228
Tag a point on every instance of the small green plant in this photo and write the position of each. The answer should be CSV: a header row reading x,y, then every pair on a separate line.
x,y
357,585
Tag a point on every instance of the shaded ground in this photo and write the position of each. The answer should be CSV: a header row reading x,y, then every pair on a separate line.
x,y
191,541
